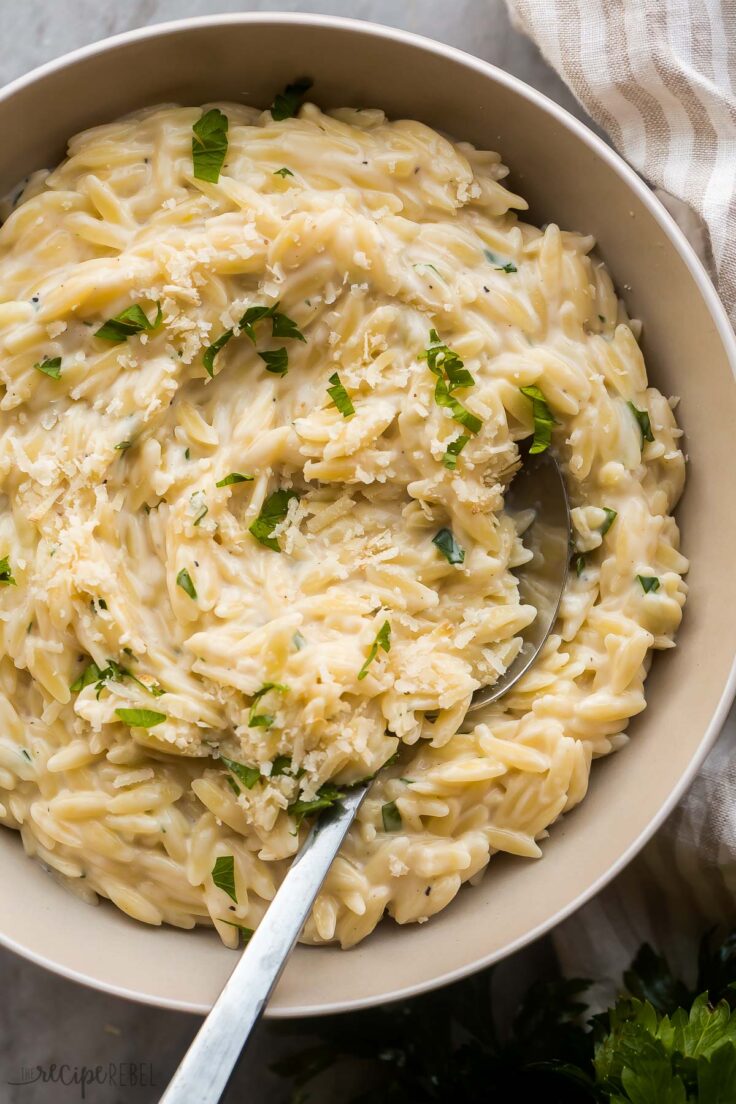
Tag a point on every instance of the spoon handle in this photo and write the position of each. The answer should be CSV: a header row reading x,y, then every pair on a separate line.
x,y
208,1065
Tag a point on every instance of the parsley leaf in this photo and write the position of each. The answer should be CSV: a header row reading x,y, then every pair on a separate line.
x,y
6,572
234,477
223,875
288,102
273,512
579,564
276,360
209,145
451,374
327,796
391,817
340,397
255,314
544,419
283,326
247,775
129,322
498,263
90,674
283,172
282,765
645,425
383,640
648,582
611,516
263,720
184,580
50,366
453,450
141,718
449,547
212,350
246,934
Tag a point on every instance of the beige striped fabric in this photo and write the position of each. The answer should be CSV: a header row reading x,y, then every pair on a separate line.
x,y
660,77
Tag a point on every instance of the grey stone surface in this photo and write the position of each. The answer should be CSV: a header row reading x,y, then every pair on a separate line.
x,y
45,1019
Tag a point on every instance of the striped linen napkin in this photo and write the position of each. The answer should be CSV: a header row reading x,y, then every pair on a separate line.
x,y
659,76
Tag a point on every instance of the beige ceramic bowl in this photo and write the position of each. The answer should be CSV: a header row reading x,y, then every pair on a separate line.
x,y
572,178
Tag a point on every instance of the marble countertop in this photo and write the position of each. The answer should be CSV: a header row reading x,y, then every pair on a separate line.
x,y
45,1019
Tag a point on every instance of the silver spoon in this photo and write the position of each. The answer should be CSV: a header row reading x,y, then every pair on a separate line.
x,y
208,1065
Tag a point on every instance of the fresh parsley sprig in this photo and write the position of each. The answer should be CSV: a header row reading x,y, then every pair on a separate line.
x,y
129,322
264,720
448,546
6,572
223,875
50,366
327,796
544,419
287,103
209,145
273,512
340,397
382,640
644,422
452,375
282,325
660,1043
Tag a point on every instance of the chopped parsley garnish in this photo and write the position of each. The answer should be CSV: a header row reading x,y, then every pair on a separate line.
x,y
263,720
327,796
449,547
648,583
233,785
299,641
383,640
223,875
453,450
187,453
579,564
211,352
284,172
184,580
451,374
544,419
255,314
276,361
391,817
199,504
209,145
282,765
288,102
114,672
273,512
611,516
90,674
247,775
246,934
281,326
141,718
123,446
645,425
6,572
499,264
129,322
340,397
234,477
50,366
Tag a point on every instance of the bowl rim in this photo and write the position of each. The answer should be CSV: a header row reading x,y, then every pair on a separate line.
x,y
631,179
